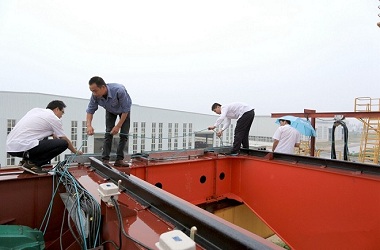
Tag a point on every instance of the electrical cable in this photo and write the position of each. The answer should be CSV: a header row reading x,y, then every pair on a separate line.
x,y
163,138
61,231
84,208
84,211
120,221
167,138
122,230
345,133
111,242
220,138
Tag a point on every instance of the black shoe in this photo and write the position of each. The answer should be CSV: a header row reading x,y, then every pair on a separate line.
x,y
32,168
233,153
48,165
120,163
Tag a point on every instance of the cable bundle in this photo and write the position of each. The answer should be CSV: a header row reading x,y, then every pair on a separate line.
x,y
345,148
81,207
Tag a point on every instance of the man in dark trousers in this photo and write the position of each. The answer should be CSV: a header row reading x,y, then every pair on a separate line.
x,y
244,115
114,98
29,139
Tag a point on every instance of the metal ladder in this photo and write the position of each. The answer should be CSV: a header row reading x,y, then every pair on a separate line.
x,y
370,140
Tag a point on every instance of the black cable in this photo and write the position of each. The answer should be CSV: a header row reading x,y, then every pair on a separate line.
x,y
82,202
120,220
345,133
117,209
111,242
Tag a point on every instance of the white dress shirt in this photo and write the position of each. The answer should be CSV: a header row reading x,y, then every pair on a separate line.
x,y
37,124
230,111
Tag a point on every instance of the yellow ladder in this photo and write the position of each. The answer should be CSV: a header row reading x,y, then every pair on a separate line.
x,y
370,140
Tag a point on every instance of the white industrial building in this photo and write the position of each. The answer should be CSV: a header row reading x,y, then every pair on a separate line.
x,y
152,129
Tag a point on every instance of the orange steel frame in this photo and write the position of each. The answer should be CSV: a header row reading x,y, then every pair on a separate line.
x,y
310,203
308,206
194,181
26,198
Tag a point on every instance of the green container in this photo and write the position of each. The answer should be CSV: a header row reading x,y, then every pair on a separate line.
x,y
16,237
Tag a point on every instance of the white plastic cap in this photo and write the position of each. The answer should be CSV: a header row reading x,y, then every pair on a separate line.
x,y
175,240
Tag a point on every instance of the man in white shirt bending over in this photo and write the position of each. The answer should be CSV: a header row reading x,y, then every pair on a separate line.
x,y
244,115
285,138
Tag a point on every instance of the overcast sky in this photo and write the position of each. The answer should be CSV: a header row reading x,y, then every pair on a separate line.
x,y
276,55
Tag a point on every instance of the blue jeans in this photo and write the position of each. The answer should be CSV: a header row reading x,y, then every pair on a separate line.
x,y
124,133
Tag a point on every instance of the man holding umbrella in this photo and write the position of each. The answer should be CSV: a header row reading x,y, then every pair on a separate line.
x,y
285,138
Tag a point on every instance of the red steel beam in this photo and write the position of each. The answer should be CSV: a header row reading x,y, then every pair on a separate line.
x,y
310,203
311,207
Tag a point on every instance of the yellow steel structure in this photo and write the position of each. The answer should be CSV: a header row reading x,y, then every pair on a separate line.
x,y
370,141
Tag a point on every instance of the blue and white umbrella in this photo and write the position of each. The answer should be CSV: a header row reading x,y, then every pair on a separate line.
x,y
302,125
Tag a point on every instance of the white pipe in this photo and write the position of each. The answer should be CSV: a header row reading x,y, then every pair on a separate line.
x,y
193,232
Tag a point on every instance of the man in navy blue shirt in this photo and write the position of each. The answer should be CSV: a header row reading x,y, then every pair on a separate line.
x,y
114,98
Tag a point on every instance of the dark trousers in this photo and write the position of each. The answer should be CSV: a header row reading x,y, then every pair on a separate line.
x,y
43,152
243,126
124,131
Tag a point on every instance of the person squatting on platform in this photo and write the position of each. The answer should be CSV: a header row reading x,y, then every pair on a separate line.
x,y
29,139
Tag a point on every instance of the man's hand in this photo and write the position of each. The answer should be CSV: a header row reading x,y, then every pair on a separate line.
x,y
219,133
115,130
90,130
